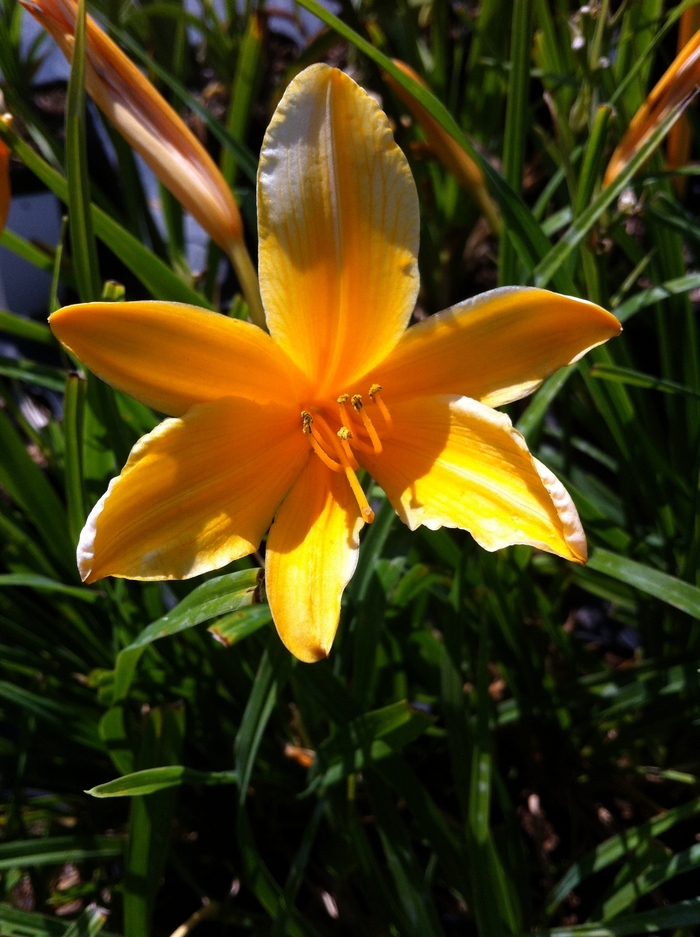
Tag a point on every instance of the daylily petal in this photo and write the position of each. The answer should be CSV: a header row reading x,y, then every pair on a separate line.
x,y
195,493
453,156
495,348
454,462
338,225
311,554
677,83
172,356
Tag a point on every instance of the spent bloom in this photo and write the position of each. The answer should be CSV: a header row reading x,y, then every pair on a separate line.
x,y
268,431
678,83
150,125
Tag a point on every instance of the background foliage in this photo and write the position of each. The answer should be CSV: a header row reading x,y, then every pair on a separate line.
x,y
498,742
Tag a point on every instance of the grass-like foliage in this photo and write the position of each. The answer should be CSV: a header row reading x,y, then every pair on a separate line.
x,y
499,742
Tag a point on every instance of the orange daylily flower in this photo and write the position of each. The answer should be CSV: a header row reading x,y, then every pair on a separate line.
x,y
679,82
157,133
453,157
269,430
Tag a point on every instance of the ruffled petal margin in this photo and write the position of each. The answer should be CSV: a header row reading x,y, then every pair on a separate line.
x,y
195,494
312,551
453,462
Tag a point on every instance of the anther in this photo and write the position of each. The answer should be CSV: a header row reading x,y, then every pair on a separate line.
x,y
344,435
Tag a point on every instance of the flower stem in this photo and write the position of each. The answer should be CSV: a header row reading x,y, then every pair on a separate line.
x,y
248,278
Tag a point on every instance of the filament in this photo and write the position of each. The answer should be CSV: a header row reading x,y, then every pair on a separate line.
x,y
360,497
358,406
374,392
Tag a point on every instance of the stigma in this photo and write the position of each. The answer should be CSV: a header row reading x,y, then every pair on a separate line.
x,y
356,433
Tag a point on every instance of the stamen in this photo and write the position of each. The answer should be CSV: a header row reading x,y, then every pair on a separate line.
x,y
347,420
374,392
344,435
340,450
347,460
358,406
307,429
362,503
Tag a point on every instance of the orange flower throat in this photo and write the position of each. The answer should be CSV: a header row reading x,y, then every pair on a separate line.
x,y
357,432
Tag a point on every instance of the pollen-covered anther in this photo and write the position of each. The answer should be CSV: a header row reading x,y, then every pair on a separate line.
x,y
344,434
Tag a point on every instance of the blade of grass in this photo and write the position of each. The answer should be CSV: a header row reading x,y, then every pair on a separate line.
x,y
610,372
83,249
150,780
13,324
675,592
616,847
550,265
517,113
73,414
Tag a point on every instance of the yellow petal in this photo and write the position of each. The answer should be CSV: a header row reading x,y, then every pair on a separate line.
x,y
452,156
338,225
494,348
311,554
677,83
171,356
195,493
453,462
148,123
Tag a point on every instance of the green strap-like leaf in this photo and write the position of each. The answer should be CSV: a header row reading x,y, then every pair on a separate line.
x,y
550,265
682,914
151,780
675,592
616,847
34,581
56,850
83,250
215,597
